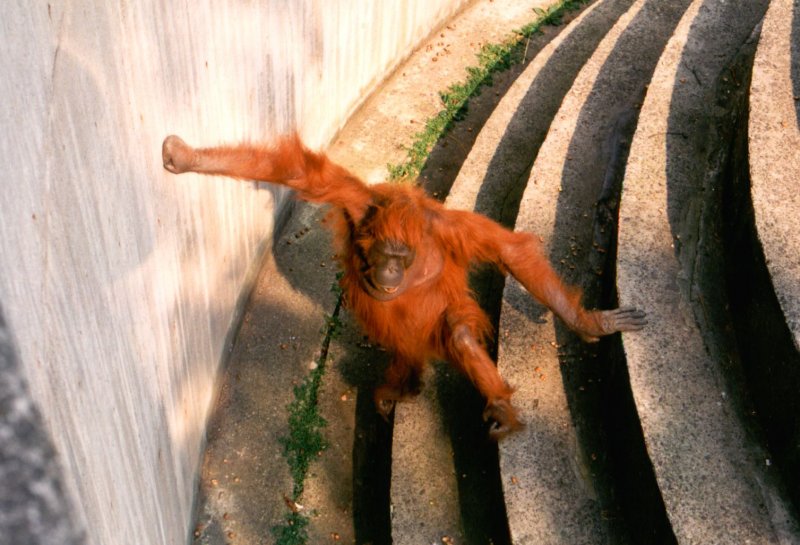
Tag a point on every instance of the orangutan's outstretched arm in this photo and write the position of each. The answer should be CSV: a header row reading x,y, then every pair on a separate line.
x,y
520,254
287,162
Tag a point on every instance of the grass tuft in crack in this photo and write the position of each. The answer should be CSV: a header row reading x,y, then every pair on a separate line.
x,y
305,440
492,58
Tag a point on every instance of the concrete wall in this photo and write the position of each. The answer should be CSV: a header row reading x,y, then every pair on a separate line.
x,y
119,281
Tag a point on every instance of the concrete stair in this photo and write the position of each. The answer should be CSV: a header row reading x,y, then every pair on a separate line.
x,y
570,202
714,476
491,182
774,167
653,146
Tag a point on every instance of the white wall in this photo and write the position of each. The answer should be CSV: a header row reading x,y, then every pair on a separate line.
x,y
120,283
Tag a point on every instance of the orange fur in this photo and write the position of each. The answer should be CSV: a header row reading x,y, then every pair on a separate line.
x,y
437,317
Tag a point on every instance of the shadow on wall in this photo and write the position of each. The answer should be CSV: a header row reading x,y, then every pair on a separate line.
x,y
35,510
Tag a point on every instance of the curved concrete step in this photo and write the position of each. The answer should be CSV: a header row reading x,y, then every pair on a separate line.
x,y
332,494
763,241
425,493
508,143
496,167
574,179
774,162
714,478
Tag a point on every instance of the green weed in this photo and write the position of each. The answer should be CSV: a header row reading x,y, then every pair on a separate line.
x,y
492,58
305,440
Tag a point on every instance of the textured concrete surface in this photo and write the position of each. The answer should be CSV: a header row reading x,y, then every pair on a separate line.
x,y
566,182
547,498
509,141
385,125
774,164
348,501
120,282
424,482
34,509
245,475
712,480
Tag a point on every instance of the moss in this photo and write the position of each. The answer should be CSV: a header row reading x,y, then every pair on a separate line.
x,y
305,440
293,532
